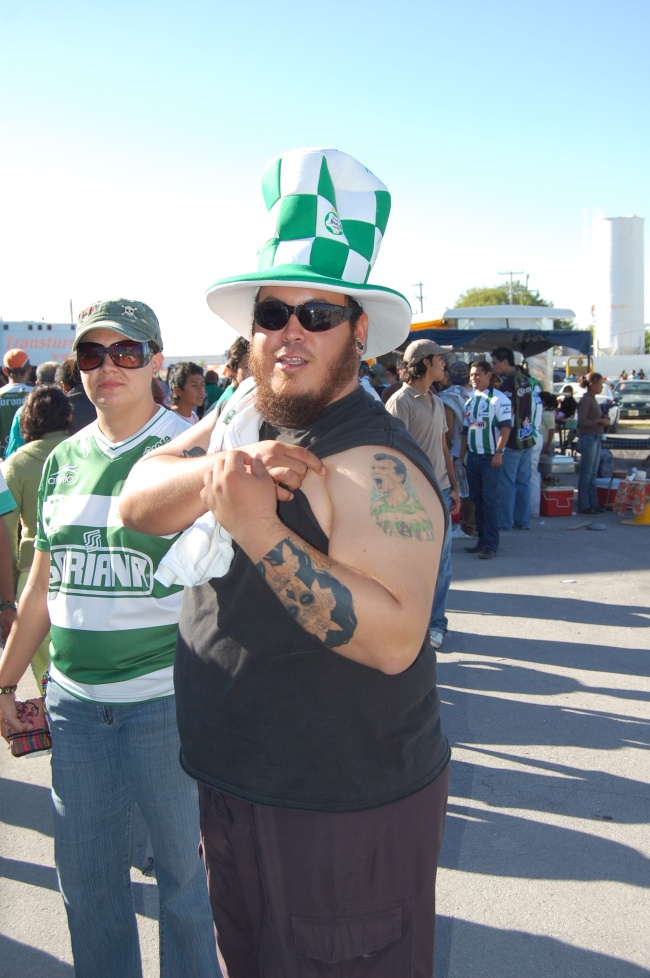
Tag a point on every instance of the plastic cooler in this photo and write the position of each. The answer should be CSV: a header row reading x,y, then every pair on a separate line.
x,y
550,465
556,501
607,491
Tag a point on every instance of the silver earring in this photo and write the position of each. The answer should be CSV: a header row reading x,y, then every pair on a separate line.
x,y
361,347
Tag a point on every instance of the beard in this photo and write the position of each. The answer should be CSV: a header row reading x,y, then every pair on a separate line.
x,y
287,410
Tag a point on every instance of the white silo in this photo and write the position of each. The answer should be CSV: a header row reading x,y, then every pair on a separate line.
x,y
618,285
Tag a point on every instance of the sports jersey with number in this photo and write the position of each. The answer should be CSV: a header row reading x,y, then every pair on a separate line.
x,y
486,412
113,626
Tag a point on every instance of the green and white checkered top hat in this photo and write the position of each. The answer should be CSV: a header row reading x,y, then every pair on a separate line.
x,y
327,215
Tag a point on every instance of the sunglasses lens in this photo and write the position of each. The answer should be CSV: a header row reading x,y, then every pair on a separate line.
x,y
90,356
271,314
128,355
317,317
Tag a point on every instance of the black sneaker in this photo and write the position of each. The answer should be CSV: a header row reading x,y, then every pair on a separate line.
x,y
472,550
487,554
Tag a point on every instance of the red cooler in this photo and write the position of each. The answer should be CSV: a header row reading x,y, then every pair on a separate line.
x,y
556,501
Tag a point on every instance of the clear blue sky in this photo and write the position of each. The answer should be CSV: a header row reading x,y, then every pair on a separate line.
x,y
134,133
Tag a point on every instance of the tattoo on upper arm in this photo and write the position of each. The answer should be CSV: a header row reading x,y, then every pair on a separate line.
x,y
395,507
302,579
195,452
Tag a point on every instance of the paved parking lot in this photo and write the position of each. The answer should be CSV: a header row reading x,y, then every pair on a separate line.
x,y
545,681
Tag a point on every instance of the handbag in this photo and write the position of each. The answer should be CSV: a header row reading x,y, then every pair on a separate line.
x,y
38,738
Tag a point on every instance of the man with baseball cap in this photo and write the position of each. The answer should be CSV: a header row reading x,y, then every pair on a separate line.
x,y
423,413
305,678
17,369
110,698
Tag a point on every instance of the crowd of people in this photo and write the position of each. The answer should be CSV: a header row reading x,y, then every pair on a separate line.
x,y
237,595
633,374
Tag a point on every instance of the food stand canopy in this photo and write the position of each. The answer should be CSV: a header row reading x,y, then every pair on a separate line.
x,y
524,329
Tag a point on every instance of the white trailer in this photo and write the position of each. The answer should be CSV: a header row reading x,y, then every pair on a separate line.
x,y
41,341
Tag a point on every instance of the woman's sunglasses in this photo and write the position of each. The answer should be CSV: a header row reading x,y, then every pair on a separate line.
x,y
124,353
316,317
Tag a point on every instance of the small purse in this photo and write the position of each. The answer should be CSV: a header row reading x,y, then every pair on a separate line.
x,y
37,739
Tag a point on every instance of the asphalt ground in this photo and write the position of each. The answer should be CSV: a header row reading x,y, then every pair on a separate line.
x,y
545,683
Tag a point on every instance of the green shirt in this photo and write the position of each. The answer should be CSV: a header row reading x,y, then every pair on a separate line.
x,y
113,626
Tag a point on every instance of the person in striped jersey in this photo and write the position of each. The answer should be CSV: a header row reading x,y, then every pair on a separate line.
x,y
110,698
485,435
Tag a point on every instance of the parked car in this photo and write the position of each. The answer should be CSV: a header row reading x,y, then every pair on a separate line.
x,y
607,399
633,397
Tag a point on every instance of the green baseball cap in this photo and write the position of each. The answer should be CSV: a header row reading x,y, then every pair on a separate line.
x,y
131,318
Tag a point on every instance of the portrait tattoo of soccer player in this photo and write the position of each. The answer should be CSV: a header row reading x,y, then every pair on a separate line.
x,y
301,578
395,508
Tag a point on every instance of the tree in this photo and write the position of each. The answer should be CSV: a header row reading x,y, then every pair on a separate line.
x,y
499,295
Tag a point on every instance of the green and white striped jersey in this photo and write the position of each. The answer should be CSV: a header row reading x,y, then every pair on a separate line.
x,y
113,630
486,412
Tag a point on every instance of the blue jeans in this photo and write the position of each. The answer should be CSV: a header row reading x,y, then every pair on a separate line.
x,y
483,480
438,620
514,489
589,448
103,759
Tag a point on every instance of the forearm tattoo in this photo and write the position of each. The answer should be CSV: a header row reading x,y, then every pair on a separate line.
x,y
395,507
302,579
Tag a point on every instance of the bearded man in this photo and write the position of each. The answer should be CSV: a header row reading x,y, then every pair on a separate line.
x,y
305,678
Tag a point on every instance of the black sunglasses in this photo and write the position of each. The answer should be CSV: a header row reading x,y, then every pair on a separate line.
x,y
316,317
124,353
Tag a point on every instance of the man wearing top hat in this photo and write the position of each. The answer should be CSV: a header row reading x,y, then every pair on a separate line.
x,y
305,678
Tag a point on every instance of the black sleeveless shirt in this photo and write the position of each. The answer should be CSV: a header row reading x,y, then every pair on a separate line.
x,y
265,710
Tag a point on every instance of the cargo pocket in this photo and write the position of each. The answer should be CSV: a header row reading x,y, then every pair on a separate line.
x,y
350,947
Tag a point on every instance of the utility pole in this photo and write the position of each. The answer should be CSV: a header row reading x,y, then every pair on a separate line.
x,y
510,286
419,295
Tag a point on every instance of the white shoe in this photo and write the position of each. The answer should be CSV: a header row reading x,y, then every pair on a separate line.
x,y
458,533
436,637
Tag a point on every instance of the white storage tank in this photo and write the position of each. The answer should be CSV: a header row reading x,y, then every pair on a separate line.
x,y
618,285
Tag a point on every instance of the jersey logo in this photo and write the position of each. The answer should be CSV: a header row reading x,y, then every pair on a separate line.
x,y
100,571
526,429
162,441
92,540
67,475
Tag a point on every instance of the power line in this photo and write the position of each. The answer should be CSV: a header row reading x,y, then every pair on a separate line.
x,y
419,295
510,291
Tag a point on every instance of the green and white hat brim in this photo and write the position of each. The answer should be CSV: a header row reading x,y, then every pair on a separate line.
x,y
389,313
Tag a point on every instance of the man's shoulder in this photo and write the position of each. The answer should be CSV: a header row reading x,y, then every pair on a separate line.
x,y
171,422
500,396
404,391
14,390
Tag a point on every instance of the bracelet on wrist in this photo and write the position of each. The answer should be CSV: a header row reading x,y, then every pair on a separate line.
x,y
7,604
8,689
